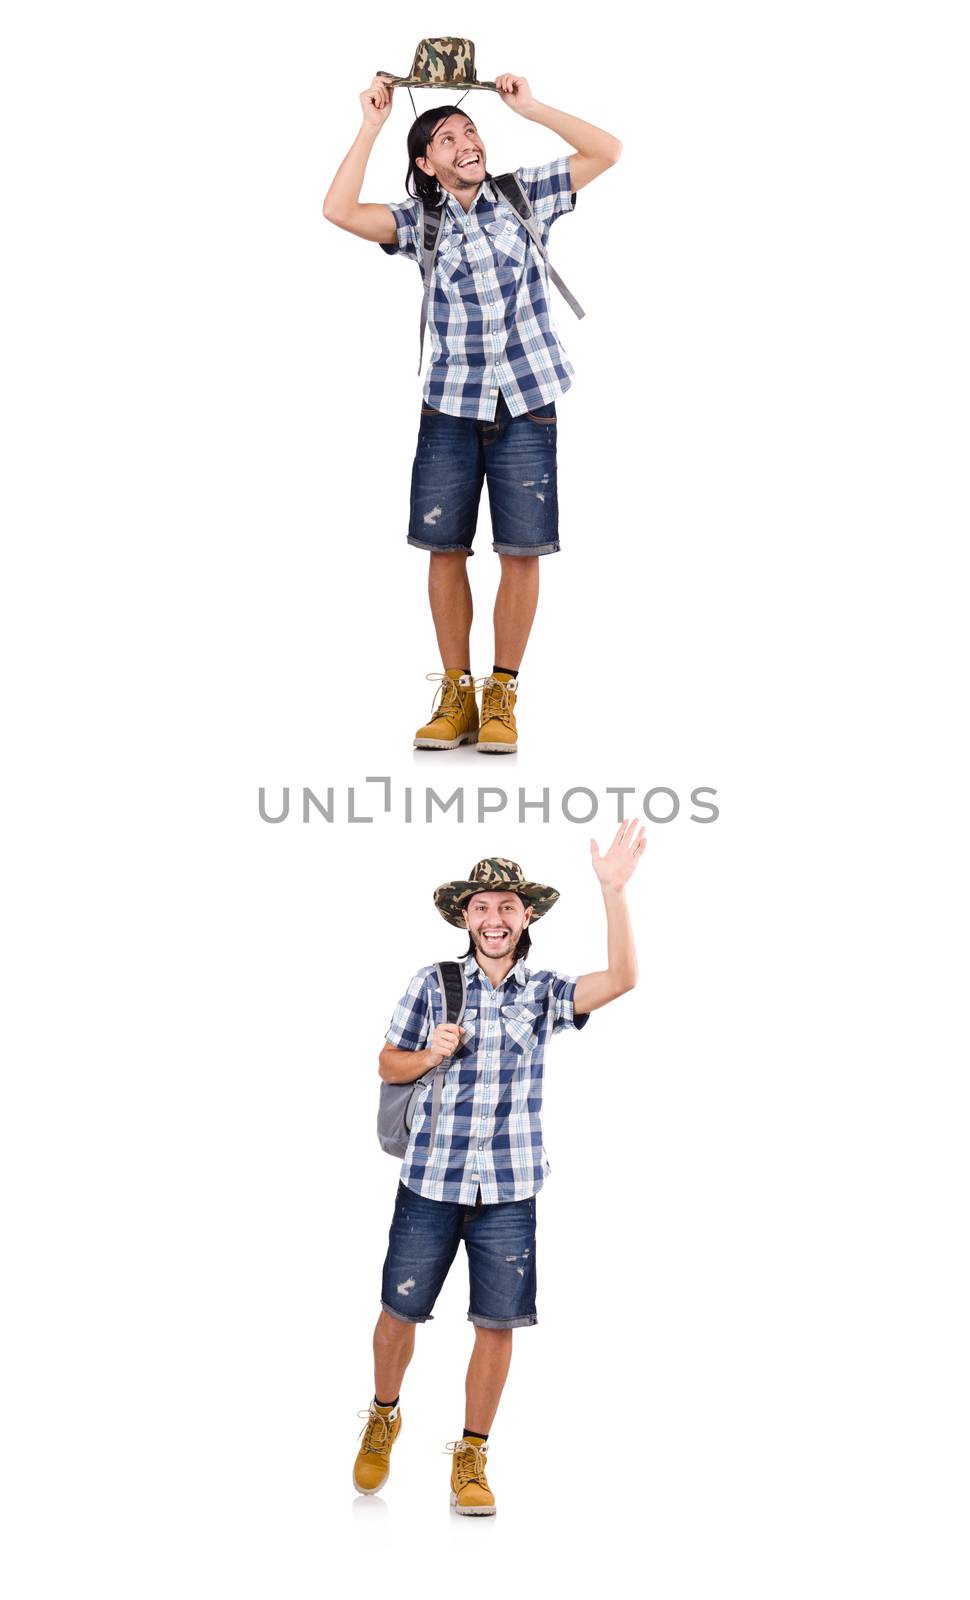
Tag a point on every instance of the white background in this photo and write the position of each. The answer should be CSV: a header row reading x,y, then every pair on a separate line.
x,y
749,1375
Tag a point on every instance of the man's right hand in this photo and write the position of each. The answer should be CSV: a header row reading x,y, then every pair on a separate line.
x,y
342,206
376,102
445,1040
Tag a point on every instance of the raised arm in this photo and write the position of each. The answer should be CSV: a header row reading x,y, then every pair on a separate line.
x,y
342,205
614,871
594,149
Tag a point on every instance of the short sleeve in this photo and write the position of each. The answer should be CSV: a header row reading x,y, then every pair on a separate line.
x,y
562,993
549,189
407,219
410,1027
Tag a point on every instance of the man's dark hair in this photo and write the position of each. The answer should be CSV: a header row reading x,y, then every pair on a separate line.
x,y
420,134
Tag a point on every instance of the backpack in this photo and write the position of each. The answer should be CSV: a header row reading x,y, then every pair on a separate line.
x,y
400,1101
432,220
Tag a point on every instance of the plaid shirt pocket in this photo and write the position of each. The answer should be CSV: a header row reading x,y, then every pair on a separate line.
x,y
452,261
469,1023
507,240
520,1023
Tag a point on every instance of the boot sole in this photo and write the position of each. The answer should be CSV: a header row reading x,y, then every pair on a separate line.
x,y
444,744
471,1511
498,749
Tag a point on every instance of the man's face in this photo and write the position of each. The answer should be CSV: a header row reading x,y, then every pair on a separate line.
x,y
495,922
456,155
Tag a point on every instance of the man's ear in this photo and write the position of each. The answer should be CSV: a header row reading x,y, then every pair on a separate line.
x,y
425,165
528,916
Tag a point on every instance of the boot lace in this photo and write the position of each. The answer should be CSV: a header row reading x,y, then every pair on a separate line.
x,y
469,1461
376,1432
447,701
497,700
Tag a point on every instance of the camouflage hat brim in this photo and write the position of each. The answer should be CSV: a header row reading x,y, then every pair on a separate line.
x,y
450,897
423,83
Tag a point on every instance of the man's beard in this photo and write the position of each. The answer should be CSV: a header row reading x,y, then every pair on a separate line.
x,y
508,948
458,179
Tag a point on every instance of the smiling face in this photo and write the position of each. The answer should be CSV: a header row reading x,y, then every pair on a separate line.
x,y
456,155
495,922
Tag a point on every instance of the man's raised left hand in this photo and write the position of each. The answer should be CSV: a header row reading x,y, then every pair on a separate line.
x,y
616,868
515,92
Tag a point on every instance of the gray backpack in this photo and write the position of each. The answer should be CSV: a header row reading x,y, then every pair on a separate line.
x,y
400,1101
432,219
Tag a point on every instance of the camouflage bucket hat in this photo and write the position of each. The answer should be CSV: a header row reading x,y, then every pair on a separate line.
x,y
441,64
493,874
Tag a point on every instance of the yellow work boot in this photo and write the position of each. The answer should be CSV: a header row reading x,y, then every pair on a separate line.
x,y
454,717
381,1428
497,734
470,1494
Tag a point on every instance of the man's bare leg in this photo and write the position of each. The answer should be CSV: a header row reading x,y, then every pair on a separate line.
x,y
515,609
487,1372
393,1349
451,606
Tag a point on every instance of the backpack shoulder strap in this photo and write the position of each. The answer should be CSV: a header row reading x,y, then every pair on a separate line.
x,y
451,977
511,190
432,221
509,186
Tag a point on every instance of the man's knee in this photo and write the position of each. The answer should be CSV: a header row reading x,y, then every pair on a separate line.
x,y
493,1338
519,569
448,560
393,1330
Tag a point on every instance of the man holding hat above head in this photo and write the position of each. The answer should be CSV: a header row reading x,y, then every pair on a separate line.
x,y
473,1155
497,366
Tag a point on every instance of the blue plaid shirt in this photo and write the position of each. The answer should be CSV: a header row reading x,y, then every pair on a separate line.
x,y
489,321
489,1135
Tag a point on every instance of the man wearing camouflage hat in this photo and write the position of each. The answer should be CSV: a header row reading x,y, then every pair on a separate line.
x,y
497,365
474,1165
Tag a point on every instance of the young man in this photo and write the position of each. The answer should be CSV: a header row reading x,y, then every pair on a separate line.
x,y
497,370
479,1179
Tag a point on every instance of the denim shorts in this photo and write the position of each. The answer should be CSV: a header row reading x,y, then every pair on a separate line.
x,y
501,1245
516,456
